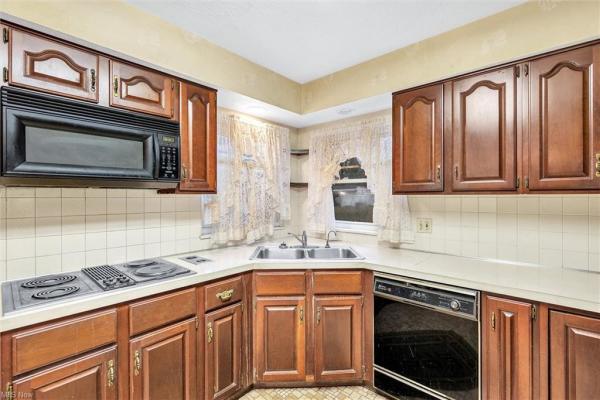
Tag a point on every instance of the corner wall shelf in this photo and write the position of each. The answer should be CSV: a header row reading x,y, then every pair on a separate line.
x,y
299,152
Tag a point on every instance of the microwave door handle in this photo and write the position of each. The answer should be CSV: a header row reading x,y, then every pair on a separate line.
x,y
156,155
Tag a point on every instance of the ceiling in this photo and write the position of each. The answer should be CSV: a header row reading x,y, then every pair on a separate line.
x,y
307,39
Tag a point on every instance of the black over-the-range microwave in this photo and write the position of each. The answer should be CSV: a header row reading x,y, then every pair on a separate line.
x,y
49,140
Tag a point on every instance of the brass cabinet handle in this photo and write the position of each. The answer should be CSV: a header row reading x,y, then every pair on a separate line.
x,y
137,362
225,295
318,315
116,86
93,80
493,321
111,373
209,332
301,313
597,165
438,173
183,172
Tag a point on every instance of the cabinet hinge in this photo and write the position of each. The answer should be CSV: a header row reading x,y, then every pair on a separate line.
x,y
5,74
197,323
242,306
518,182
533,312
172,84
10,391
526,70
5,35
527,182
517,71
362,302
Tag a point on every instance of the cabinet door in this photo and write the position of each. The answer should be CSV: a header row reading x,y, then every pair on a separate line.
x,y
417,140
138,89
574,357
507,354
564,142
91,377
484,132
198,139
223,352
43,64
280,339
163,363
338,338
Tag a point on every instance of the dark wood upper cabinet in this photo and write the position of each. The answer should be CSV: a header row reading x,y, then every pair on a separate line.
x,y
198,139
163,363
564,137
223,352
51,66
484,134
138,89
280,339
507,338
574,357
338,338
90,377
417,140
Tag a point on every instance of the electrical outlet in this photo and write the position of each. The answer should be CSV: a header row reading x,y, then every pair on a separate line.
x,y
424,225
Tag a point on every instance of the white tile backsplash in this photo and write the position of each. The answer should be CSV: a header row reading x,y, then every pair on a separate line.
x,y
49,230
552,230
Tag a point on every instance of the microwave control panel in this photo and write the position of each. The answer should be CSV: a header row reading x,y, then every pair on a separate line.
x,y
168,167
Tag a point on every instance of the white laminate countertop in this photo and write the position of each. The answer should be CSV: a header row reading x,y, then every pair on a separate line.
x,y
559,286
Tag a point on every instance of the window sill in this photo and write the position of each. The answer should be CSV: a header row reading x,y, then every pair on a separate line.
x,y
361,228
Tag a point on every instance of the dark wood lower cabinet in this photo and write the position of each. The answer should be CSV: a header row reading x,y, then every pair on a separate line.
x,y
163,363
574,357
507,334
90,377
280,339
223,352
338,338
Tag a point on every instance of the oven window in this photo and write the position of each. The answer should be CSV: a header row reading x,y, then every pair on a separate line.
x,y
51,146
437,350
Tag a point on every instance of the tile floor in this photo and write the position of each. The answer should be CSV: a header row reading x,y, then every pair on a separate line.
x,y
324,393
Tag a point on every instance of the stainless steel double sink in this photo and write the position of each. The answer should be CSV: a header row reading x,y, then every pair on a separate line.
x,y
318,253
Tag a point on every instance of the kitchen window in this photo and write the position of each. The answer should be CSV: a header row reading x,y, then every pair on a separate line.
x,y
352,200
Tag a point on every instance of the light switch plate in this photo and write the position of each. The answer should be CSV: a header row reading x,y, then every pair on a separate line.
x,y
424,225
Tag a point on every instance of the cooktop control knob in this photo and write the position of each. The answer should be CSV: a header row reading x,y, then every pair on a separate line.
x,y
455,305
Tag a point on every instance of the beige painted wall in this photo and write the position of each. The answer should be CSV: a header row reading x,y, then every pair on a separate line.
x,y
119,26
530,28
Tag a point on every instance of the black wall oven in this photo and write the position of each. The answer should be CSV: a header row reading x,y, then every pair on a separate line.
x,y
426,340
46,139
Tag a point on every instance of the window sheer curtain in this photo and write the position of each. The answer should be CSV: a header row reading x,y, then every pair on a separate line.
x,y
253,177
371,141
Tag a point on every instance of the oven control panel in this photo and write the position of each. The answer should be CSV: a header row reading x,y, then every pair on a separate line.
x,y
168,147
443,299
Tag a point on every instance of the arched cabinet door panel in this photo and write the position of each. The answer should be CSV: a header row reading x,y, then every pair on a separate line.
x,y
198,139
138,89
417,133
564,141
53,67
484,132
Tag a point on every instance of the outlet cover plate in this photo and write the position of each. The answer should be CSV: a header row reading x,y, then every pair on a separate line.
x,y
424,225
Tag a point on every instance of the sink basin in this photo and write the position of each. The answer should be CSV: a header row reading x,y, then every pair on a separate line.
x,y
274,253
321,253
333,253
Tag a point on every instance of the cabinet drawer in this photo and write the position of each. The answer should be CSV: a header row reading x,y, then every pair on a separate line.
x,y
279,283
34,348
222,293
161,310
337,282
